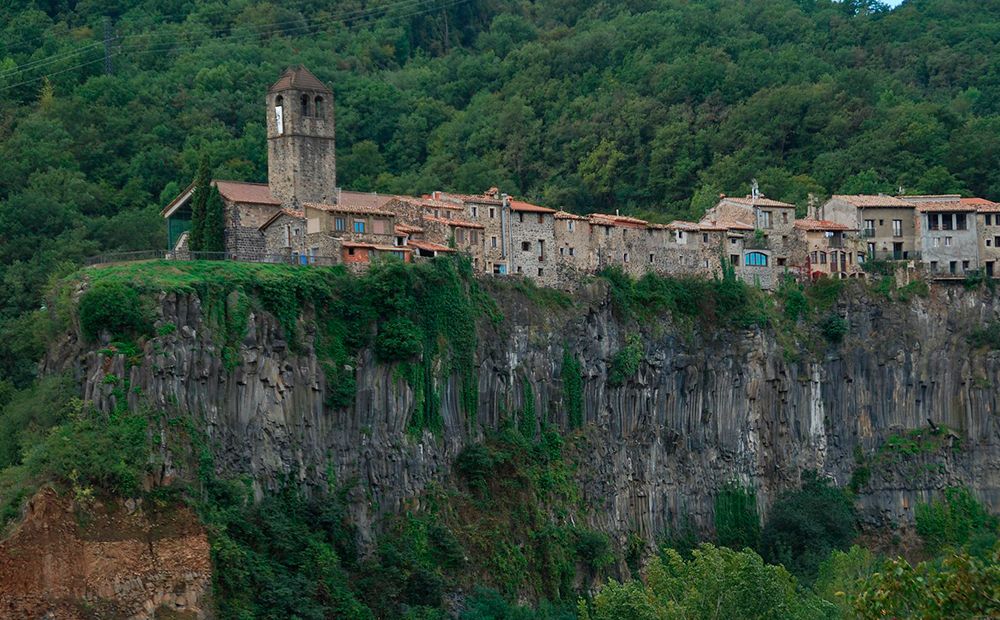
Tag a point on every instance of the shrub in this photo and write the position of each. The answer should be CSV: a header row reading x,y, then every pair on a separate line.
x,y
833,328
115,308
958,520
572,388
842,575
804,526
987,336
626,361
737,523
398,339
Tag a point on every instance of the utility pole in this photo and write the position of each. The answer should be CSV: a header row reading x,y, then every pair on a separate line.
x,y
108,38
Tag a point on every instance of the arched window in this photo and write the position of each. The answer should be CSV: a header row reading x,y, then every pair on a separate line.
x,y
279,114
756,259
319,107
305,105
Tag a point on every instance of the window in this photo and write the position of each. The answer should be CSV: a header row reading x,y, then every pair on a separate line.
x,y
734,259
459,235
541,220
526,246
519,270
569,225
288,236
378,227
947,242
625,257
756,259
650,258
607,231
474,237
870,226
953,266
881,222
781,262
996,242
318,102
933,221
305,105
520,218
946,223
704,237
493,212
571,251
989,243
539,272
279,114
965,265
937,241
732,241
961,222
359,226
784,217
871,250
934,265
338,223
350,251
400,241
897,228
814,257
765,219
475,211
561,251
398,254
822,258
493,242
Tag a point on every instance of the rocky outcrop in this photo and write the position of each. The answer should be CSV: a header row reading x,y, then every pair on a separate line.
x,y
707,406
113,560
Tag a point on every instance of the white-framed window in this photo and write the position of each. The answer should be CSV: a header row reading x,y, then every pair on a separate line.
x,y
570,223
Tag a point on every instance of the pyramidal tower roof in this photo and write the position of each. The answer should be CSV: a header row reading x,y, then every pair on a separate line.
x,y
299,78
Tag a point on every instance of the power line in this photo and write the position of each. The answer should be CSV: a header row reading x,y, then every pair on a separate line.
x,y
316,26
345,16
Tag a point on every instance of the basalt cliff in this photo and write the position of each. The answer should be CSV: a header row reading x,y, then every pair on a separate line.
x,y
707,405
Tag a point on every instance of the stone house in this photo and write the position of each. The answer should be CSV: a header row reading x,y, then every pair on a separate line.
x,y
830,249
988,228
774,219
691,249
887,224
572,253
357,230
488,210
531,232
625,242
949,240
464,235
284,236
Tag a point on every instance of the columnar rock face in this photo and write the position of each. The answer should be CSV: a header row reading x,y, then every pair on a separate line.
x,y
708,406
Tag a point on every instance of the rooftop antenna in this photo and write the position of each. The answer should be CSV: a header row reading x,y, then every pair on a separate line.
x,y
754,195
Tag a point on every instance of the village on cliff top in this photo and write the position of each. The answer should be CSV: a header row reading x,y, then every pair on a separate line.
x,y
302,217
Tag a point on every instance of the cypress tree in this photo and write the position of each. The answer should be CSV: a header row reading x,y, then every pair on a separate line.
x,y
213,233
199,203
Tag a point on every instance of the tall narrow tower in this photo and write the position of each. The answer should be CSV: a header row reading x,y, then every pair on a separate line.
x,y
301,154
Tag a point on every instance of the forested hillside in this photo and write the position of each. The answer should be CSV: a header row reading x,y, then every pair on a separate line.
x,y
649,106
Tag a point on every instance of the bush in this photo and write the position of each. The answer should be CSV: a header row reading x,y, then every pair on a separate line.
x,y
572,389
833,328
958,520
626,361
737,523
398,339
804,526
115,308
842,576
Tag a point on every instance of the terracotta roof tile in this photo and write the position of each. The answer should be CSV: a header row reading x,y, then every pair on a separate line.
x,y
811,224
348,207
406,229
950,206
863,200
982,205
374,246
760,202
429,246
299,78
682,225
606,219
252,193
459,223
565,215
520,205
279,214
726,225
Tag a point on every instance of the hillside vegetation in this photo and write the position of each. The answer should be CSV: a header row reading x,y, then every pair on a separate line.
x,y
650,106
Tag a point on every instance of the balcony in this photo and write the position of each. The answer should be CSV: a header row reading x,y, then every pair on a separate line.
x,y
867,233
756,242
835,242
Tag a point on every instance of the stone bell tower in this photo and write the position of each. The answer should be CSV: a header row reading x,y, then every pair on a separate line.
x,y
301,155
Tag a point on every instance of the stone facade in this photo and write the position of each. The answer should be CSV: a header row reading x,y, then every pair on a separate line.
x,y
988,227
948,238
888,224
301,151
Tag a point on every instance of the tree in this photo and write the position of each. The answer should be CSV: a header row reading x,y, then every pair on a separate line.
x,y
199,206
805,525
600,170
214,231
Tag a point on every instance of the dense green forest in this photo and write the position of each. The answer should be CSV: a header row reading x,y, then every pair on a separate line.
x,y
649,106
